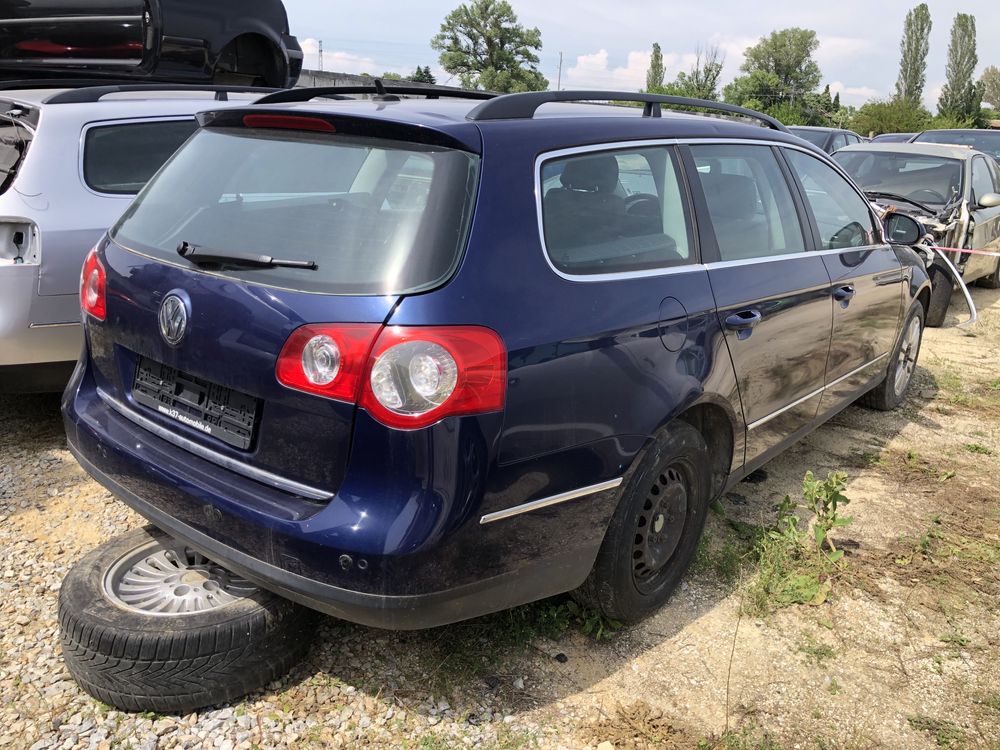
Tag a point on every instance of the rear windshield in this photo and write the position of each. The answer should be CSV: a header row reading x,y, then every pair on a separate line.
x,y
815,137
376,216
934,180
986,141
120,159
14,141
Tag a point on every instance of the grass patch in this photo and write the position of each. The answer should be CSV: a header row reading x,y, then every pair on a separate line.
x,y
978,448
796,566
747,738
816,653
945,733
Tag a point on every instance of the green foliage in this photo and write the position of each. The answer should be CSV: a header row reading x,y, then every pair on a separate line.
x,y
890,116
990,82
702,81
945,733
815,652
913,55
797,566
961,96
483,44
422,75
779,68
654,75
978,448
391,77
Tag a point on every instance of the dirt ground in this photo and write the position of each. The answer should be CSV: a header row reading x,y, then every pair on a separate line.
x,y
904,653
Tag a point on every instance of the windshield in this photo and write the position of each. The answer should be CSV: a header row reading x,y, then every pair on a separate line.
x,y
376,216
14,141
815,137
931,180
987,141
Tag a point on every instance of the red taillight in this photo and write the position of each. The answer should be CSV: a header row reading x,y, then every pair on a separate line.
x,y
406,377
93,287
306,362
289,122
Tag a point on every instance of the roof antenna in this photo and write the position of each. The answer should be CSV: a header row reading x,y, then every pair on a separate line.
x,y
380,93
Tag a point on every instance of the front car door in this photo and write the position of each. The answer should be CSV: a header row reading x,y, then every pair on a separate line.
x,y
773,297
986,231
866,276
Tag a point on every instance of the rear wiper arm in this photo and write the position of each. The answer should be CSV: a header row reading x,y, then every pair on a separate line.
x,y
895,197
198,254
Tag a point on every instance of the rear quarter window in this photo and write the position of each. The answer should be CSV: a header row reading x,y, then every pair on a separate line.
x,y
614,212
14,141
120,159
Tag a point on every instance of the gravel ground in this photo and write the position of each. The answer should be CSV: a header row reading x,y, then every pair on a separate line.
x,y
895,659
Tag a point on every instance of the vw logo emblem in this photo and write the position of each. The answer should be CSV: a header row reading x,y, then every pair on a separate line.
x,y
173,319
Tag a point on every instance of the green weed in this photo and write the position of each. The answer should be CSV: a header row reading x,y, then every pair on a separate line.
x,y
945,733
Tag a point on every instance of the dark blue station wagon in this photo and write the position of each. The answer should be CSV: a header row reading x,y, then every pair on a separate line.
x,y
412,361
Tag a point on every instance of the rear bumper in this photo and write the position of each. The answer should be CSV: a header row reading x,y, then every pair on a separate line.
x,y
460,569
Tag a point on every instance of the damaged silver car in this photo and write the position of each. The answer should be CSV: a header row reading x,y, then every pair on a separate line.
x,y
953,191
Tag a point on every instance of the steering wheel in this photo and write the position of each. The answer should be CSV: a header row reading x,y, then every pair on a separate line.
x,y
642,204
936,197
852,235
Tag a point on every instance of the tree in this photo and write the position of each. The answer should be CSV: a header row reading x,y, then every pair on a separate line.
x,y
483,44
391,77
423,75
654,74
913,54
961,97
896,115
990,83
702,81
784,62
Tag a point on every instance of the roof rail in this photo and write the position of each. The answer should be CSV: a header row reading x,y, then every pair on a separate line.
x,y
59,83
378,89
523,106
94,93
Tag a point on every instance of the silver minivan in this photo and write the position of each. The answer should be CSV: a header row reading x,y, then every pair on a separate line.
x,y
71,160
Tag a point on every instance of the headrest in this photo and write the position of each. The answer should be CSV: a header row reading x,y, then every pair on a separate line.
x,y
731,194
593,173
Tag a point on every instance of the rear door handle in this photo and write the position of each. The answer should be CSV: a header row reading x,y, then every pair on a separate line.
x,y
844,294
743,322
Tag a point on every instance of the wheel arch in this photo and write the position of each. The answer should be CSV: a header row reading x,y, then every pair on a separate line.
x,y
717,423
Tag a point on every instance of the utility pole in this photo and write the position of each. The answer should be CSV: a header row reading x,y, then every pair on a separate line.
x,y
559,77
320,55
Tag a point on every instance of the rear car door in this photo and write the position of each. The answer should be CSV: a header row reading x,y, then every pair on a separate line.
x,y
772,295
866,276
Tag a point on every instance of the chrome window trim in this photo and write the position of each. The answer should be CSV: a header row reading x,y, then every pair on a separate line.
x,y
111,123
693,266
818,392
545,502
69,19
237,467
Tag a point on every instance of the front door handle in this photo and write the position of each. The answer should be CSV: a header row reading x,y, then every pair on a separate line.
x,y
844,294
743,323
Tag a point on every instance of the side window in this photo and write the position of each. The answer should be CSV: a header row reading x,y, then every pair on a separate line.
x,y
842,216
615,212
120,159
749,201
982,180
838,142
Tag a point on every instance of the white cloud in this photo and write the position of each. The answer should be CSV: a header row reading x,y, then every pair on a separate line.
x,y
594,72
932,93
853,95
337,61
838,51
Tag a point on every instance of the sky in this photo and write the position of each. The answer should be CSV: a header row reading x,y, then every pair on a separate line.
x,y
606,43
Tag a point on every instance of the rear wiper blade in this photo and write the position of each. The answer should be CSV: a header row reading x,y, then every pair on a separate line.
x,y
198,254
896,197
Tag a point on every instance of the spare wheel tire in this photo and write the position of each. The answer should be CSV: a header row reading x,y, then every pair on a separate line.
x,y
148,624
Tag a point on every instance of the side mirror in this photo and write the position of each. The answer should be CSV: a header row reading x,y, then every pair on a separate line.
x,y
901,229
990,200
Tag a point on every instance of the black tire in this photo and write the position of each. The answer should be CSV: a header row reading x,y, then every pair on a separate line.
x,y
137,661
889,394
636,571
942,286
993,280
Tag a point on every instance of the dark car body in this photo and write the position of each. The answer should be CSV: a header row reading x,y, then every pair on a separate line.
x,y
893,138
987,141
339,505
230,41
828,139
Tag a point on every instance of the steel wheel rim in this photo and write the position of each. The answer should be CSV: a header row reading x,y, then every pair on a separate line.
x,y
172,581
907,361
659,527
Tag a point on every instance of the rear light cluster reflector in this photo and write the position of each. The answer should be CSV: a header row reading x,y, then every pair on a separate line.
x,y
93,287
405,377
